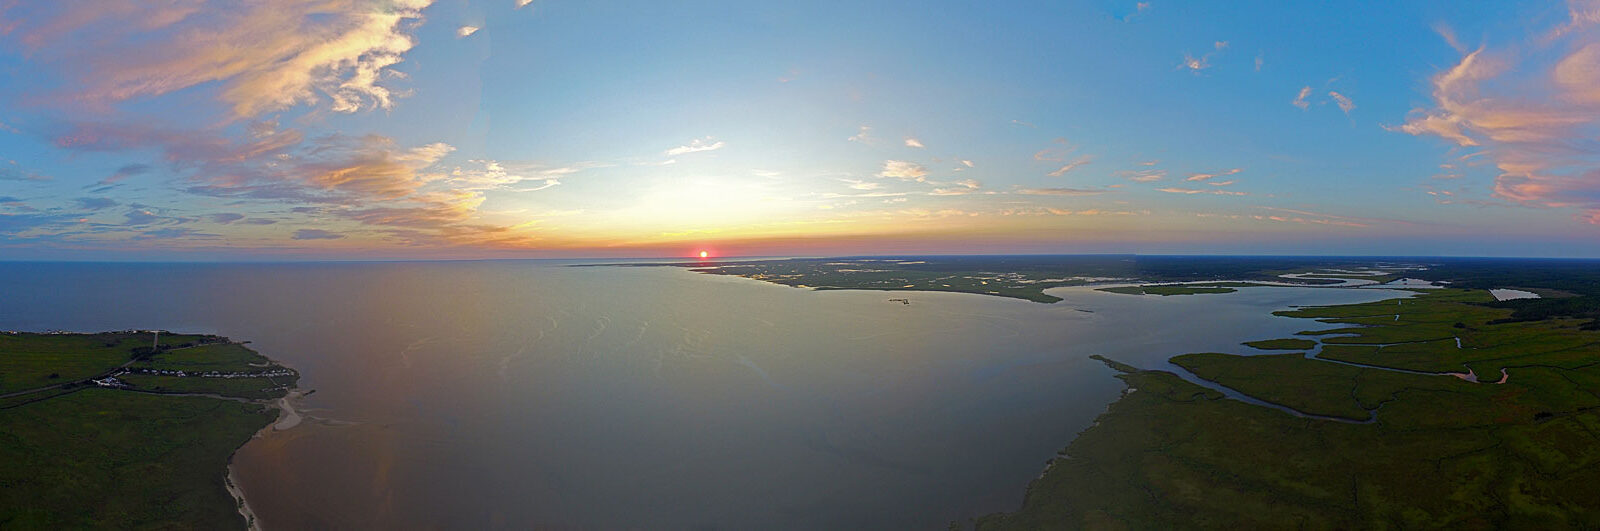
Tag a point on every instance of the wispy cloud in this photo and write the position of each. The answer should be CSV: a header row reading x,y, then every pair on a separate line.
x,y
1143,176
1343,101
315,234
11,171
1055,154
861,185
124,172
1139,8
263,56
1075,192
1300,99
1528,117
1197,64
1075,164
912,142
862,135
465,31
900,169
1192,191
697,145
1208,176
95,203
962,187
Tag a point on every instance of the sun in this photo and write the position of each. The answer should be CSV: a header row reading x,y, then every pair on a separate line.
x,y
705,254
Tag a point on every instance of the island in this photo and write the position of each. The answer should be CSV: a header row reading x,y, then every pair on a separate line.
x,y
129,429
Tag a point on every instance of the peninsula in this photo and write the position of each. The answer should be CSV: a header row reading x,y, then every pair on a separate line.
x,y
129,429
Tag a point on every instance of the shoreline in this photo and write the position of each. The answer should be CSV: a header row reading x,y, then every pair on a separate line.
x,y
242,503
288,418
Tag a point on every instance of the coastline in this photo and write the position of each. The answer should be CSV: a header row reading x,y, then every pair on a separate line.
x,y
288,418
238,496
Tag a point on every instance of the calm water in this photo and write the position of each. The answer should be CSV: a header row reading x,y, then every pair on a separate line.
x,y
528,394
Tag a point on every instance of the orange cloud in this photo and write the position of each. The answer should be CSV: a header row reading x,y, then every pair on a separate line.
x,y
265,56
1530,119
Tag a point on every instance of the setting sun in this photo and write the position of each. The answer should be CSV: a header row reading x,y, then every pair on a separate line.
x,y
704,254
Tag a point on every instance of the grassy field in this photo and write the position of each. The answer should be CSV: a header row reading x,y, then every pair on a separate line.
x,y
1439,451
29,361
1282,344
79,456
102,458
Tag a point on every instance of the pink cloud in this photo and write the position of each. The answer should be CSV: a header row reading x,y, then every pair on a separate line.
x,y
263,56
1532,119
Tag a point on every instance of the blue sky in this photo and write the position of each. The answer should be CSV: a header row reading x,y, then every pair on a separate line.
x,y
463,129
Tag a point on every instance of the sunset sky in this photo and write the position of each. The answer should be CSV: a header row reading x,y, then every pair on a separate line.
x,y
365,129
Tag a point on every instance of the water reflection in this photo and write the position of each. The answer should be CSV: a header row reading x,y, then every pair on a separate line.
x,y
526,394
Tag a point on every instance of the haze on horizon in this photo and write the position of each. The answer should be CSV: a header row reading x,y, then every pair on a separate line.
x,y
215,129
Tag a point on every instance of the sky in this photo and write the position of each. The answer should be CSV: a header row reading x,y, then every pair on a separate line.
x,y
434,129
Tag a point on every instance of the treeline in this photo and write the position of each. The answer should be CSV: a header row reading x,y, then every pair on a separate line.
x,y
1579,278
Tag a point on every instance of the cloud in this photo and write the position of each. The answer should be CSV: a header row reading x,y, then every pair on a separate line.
x,y
1075,164
466,31
142,217
899,169
225,218
1197,64
697,145
912,142
1261,60
862,136
1300,99
1074,192
1221,183
124,172
1024,124
315,234
966,162
1139,8
261,56
1208,176
1143,176
1192,191
406,193
523,3
962,187
1533,120
173,233
1055,154
862,185
1289,215
95,203
1344,102
11,171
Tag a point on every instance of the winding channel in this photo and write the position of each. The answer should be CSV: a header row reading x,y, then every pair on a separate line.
x,y
1316,352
